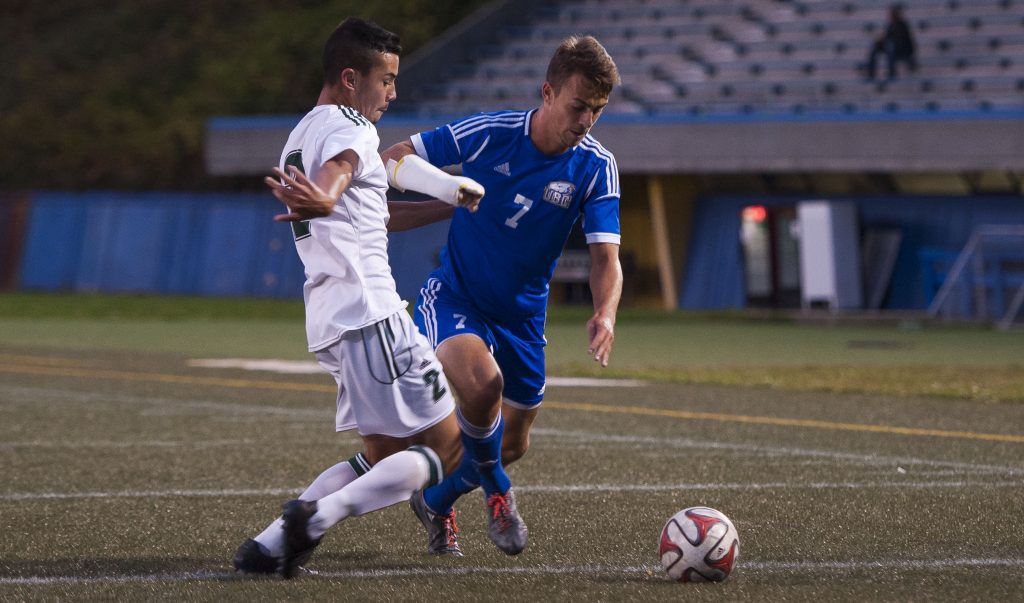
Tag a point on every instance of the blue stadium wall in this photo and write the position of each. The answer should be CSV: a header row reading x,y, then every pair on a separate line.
x,y
714,265
228,245
182,244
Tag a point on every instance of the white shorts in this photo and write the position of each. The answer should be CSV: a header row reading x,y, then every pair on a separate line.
x,y
389,381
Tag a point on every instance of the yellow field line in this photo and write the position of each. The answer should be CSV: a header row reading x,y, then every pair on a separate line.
x,y
41,360
811,423
625,410
165,378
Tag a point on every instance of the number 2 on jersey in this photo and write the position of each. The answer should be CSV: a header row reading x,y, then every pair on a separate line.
x,y
513,222
300,230
433,379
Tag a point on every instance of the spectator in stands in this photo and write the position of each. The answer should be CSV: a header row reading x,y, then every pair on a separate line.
x,y
896,43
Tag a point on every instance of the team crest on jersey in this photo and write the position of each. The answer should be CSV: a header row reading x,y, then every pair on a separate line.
x,y
559,193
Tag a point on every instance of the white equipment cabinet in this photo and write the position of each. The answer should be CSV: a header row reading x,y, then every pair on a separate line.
x,y
830,272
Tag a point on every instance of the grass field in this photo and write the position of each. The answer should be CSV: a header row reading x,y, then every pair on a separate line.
x,y
858,463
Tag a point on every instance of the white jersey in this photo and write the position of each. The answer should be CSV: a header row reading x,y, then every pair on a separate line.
x,y
348,278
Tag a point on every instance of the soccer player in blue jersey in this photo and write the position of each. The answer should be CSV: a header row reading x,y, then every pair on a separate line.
x,y
484,309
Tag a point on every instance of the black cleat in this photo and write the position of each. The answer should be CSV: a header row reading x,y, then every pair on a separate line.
x,y
250,559
298,546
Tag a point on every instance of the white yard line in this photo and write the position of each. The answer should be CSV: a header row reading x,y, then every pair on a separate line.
x,y
269,365
592,382
547,488
545,437
560,437
759,567
917,485
309,367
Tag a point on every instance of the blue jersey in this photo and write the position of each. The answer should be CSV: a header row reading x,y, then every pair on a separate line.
x,y
502,256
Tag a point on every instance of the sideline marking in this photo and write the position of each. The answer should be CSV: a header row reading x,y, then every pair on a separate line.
x,y
565,488
629,410
40,360
560,437
288,367
592,382
889,566
149,494
308,367
77,444
567,437
167,378
782,422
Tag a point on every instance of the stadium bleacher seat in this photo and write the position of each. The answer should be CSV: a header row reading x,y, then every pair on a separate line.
x,y
757,56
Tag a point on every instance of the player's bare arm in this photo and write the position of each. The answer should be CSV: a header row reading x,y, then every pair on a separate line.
x,y
398,150
306,199
606,288
406,215
407,170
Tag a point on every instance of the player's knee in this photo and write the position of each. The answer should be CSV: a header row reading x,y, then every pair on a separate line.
x,y
512,453
513,448
486,393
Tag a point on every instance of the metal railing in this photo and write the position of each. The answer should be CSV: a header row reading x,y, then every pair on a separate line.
x,y
972,268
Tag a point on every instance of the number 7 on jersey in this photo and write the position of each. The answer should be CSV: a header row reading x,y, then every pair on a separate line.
x,y
513,222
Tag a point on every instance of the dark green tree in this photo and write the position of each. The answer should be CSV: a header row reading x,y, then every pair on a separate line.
x,y
115,95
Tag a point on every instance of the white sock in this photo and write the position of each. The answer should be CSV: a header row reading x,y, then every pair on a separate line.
x,y
330,481
390,481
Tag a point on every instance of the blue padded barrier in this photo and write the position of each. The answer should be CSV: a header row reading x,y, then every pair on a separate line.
x,y
170,243
714,267
208,244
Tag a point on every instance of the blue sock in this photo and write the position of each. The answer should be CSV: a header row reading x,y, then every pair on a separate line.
x,y
483,447
464,479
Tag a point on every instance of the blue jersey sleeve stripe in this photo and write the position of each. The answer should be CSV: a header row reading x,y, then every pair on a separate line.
x,y
608,196
455,140
591,143
482,117
593,183
460,128
486,126
613,179
595,147
611,168
476,153
474,120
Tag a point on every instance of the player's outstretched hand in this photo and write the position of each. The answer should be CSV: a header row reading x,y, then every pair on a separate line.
x,y
303,198
601,331
469,194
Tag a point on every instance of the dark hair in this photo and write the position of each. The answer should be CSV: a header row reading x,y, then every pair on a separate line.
x,y
355,43
587,57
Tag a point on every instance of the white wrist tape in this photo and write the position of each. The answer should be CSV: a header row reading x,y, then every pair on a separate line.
x,y
412,172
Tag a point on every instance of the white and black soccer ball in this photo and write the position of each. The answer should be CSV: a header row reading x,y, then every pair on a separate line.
x,y
699,545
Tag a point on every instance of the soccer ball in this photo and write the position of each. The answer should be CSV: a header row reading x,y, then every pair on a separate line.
x,y
699,545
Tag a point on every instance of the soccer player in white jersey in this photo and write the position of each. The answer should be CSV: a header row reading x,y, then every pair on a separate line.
x,y
390,385
484,308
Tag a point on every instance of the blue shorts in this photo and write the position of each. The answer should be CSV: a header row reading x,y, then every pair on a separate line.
x,y
518,347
